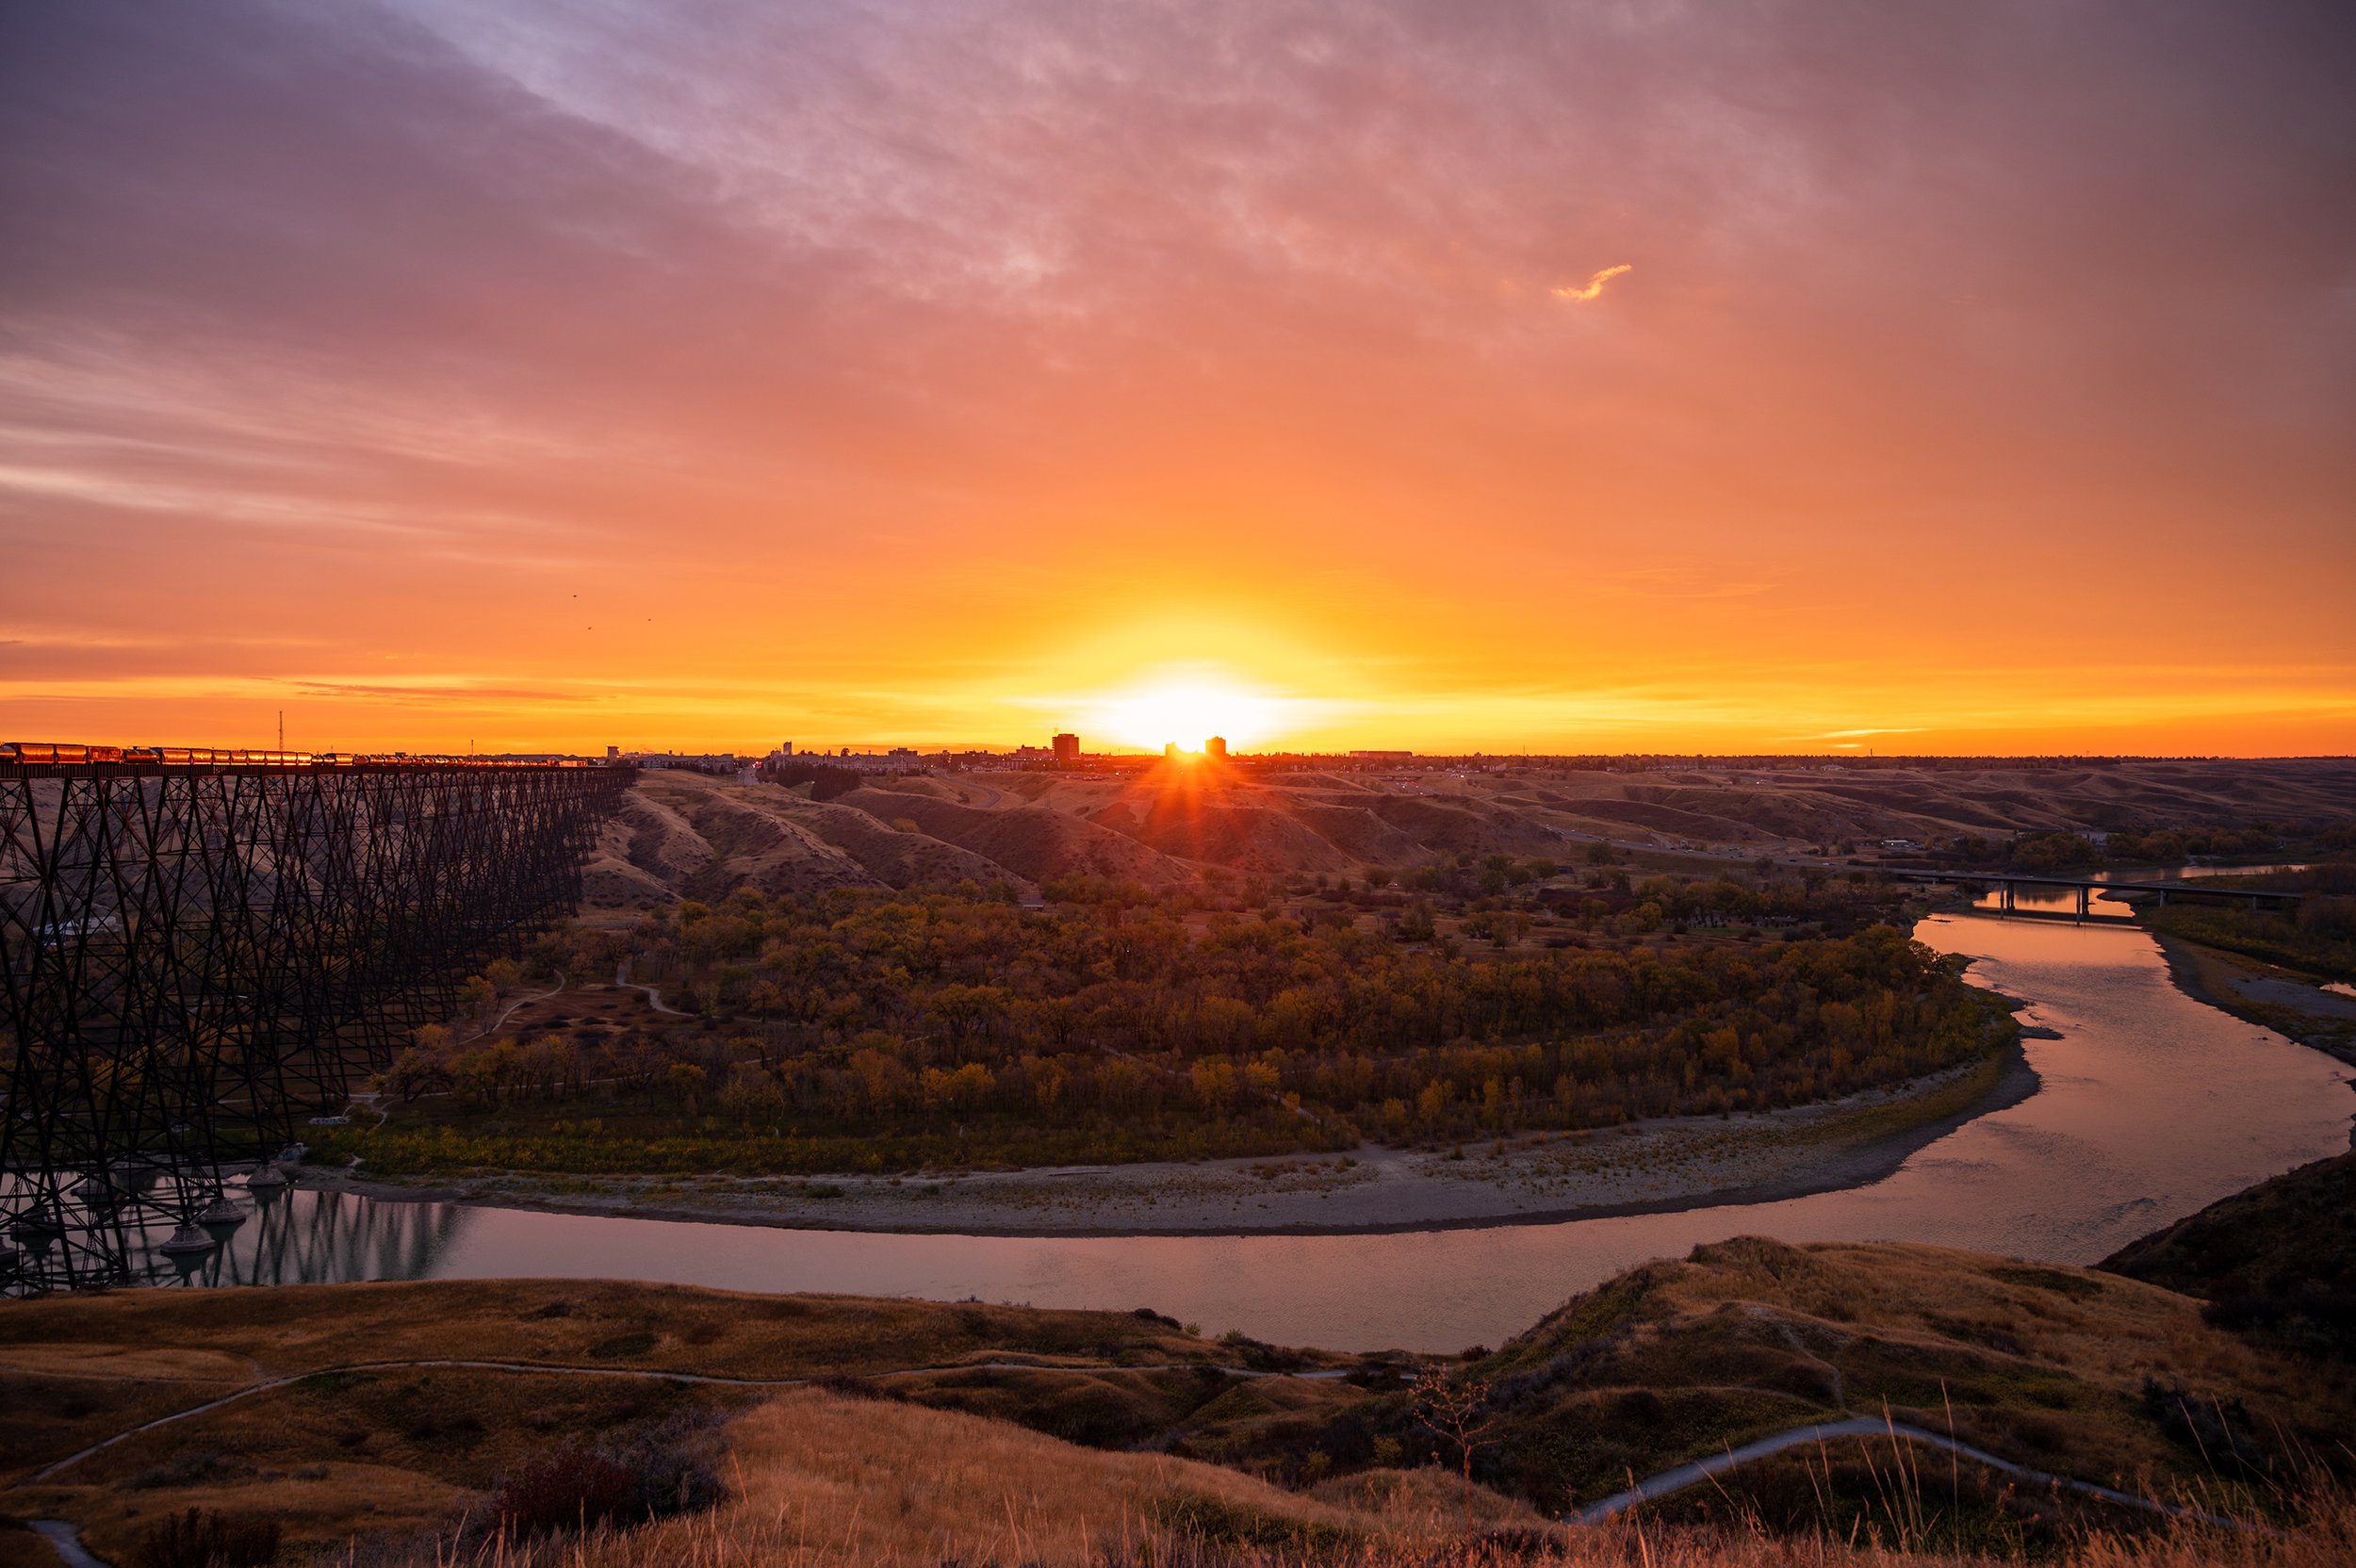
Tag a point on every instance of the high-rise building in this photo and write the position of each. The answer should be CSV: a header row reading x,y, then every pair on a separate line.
x,y
785,748
1215,748
1067,750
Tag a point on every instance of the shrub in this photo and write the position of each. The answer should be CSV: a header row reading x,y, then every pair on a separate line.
x,y
203,1539
569,1489
651,1472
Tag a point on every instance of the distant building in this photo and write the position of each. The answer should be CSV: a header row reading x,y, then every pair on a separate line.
x,y
1067,750
614,754
1215,748
785,748
1380,756
720,762
1169,751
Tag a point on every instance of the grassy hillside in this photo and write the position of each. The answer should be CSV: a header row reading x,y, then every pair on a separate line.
x,y
839,1428
686,835
2278,1261
2064,1371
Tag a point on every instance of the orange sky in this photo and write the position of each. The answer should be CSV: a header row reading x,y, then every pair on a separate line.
x,y
709,375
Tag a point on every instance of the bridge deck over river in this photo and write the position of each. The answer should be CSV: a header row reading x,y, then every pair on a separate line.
x,y
2009,882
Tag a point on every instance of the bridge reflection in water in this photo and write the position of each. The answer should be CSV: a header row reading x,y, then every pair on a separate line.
x,y
298,1237
292,1236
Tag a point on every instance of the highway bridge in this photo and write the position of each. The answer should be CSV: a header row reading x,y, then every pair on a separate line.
x,y
2008,882
200,950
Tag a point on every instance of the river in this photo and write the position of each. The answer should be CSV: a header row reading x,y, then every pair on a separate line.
x,y
2151,1105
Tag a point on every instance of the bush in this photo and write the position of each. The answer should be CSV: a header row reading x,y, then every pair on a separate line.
x,y
202,1539
569,1489
649,1473
670,1468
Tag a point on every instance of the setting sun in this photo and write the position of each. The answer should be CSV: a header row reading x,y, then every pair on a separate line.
x,y
1188,709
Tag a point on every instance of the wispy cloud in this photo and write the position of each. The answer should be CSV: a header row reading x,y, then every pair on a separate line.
x,y
460,691
1593,287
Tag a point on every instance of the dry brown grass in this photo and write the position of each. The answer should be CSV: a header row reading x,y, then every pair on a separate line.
x,y
252,1335
342,1455
823,1479
863,1481
825,1482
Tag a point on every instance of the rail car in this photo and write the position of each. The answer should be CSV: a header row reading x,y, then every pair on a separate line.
x,y
215,756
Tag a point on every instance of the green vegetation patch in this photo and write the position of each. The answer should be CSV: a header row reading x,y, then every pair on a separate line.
x,y
888,1033
2059,1280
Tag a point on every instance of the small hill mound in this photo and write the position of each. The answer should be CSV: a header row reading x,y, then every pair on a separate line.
x,y
1357,832
1034,843
892,854
684,835
612,881
1463,825
1246,837
744,844
2278,1258
2063,1369
948,1487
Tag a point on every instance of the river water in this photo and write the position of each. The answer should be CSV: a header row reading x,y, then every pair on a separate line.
x,y
2151,1105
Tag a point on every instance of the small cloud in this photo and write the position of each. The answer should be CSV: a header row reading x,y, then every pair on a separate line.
x,y
1853,736
1594,287
424,694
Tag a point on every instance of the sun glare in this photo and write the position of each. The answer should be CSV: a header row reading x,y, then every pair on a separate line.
x,y
1187,711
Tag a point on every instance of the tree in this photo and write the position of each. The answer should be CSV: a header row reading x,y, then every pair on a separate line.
x,y
1455,1411
1415,923
477,995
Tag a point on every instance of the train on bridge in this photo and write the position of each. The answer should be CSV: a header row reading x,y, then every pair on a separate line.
x,y
72,754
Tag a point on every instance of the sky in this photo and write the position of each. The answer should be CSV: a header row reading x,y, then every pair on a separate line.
x,y
1608,377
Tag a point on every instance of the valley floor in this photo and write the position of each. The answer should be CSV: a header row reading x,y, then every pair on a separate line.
x,y
1651,1166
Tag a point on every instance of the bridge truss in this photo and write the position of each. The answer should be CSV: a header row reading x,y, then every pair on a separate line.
x,y
196,959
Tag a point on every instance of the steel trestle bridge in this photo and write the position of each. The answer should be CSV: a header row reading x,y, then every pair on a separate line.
x,y
200,950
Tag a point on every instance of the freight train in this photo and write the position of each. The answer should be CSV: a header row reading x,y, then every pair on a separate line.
x,y
57,753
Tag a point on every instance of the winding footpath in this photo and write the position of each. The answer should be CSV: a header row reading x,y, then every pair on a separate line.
x,y
1681,1476
66,1541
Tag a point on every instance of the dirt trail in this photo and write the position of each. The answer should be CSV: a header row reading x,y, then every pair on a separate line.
x,y
1678,1478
